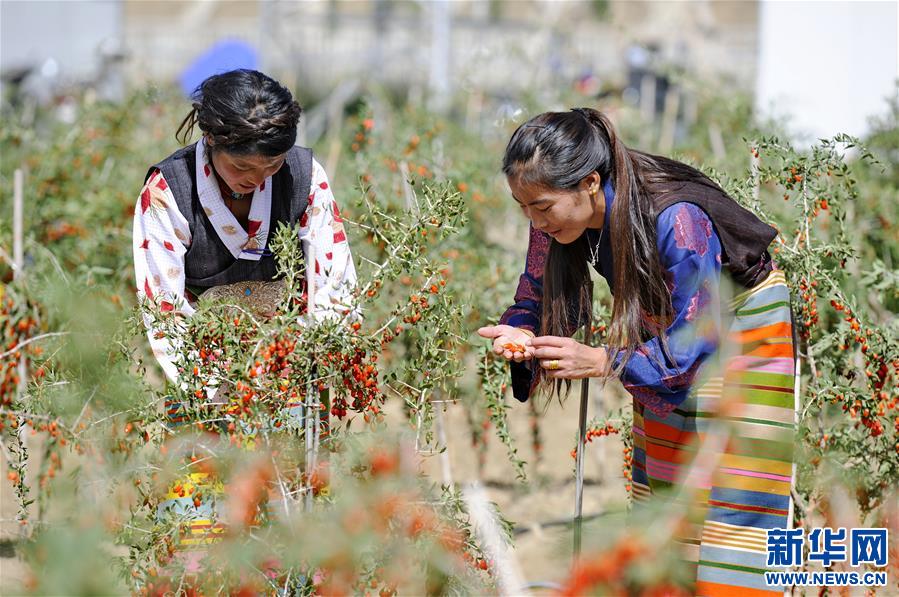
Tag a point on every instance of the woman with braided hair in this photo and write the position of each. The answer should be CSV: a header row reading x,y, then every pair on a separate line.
x,y
203,225
713,424
207,213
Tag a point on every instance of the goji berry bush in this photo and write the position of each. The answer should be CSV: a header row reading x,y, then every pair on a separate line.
x,y
90,451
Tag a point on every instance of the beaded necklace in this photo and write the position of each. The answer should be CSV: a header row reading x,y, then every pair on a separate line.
x,y
229,194
226,191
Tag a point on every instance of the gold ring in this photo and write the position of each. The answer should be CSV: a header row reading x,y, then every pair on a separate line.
x,y
552,365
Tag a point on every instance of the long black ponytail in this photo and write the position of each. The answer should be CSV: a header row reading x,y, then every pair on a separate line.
x,y
558,150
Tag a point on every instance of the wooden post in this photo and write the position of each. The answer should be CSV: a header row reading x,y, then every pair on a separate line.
x,y
691,107
648,98
408,191
18,257
445,468
310,406
18,252
439,79
335,123
755,164
716,139
647,107
669,119
506,570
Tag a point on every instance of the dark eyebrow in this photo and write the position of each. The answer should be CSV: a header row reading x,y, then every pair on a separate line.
x,y
242,164
540,200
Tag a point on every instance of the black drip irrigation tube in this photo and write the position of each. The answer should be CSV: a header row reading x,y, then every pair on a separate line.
x,y
556,522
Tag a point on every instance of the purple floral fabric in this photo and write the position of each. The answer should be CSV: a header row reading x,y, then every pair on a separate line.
x,y
525,313
691,232
690,252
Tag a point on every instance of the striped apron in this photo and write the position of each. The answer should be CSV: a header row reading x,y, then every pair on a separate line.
x,y
196,500
727,451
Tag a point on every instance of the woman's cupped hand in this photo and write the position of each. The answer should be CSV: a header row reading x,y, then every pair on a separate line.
x,y
509,342
561,358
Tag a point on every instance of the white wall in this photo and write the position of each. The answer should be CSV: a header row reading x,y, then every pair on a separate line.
x,y
827,65
70,32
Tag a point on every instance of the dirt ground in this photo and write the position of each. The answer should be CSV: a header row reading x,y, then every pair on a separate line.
x,y
542,546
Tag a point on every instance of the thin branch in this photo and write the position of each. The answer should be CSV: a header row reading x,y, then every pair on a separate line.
x,y
4,411
84,409
9,260
367,260
797,501
359,224
20,345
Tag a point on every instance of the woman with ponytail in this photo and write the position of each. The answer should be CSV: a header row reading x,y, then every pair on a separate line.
x,y
666,239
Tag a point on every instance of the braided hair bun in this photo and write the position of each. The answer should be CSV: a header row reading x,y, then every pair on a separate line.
x,y
243,112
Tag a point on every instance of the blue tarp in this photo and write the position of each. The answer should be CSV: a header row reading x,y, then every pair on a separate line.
x,y
223,56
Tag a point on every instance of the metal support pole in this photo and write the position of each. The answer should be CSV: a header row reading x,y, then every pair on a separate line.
x,y
579,465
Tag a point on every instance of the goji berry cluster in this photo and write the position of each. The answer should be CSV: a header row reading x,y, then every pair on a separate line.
x,y
417,306
373,291
211,349
57,440
267,380
809,294
361,138
360,378
477,563
878,371
820,204
597,430
65,229
276,364
609,570
627,451
598,331
17,329
392,515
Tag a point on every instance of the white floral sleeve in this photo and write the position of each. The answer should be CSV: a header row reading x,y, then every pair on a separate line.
x,y
329,264
161,236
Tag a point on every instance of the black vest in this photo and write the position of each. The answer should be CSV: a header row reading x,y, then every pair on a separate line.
x,y
208,262
744,237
